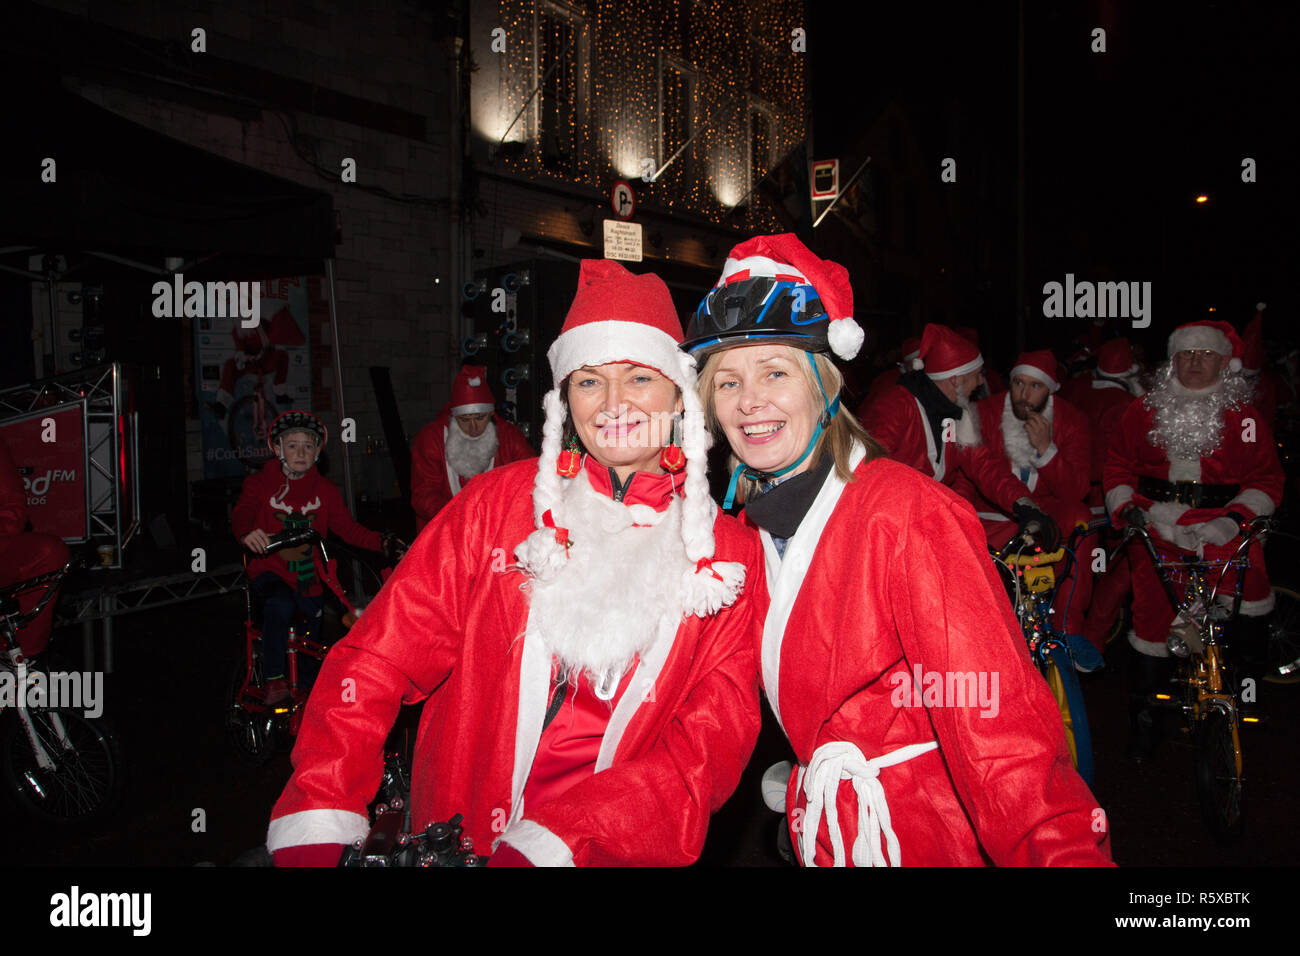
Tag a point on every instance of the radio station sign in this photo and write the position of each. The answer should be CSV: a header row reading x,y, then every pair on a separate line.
x,y
49,448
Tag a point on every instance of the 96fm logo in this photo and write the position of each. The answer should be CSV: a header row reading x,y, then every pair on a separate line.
x,y
39,486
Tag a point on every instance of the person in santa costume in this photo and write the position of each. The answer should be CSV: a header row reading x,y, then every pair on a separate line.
x,y
928,421
1194,462
255,354
466,439
1046,444
880,599
1106,394
580,625
288,493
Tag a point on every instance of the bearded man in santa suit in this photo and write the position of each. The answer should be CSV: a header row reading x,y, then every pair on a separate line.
x,y
466,439
1195,462
592,700
927,421
1046,445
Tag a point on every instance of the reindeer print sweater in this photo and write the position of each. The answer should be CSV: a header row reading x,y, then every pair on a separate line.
x,y
272,502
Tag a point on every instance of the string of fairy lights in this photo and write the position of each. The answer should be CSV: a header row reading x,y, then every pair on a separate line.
x,y
606,66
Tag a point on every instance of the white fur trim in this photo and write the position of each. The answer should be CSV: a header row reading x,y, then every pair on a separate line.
x,y
1255,500
1036,373
1118,497
534,693
845,337
308,827
1261,607
612,341
705,594
759,266
1047,455
477,408
972,365
1199,337
785,576
540,845
1234,364
931,449
1149,648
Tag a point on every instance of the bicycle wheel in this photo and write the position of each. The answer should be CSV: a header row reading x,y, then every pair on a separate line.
x,y
85,783
251,732
1284,638
1061,678
1218,781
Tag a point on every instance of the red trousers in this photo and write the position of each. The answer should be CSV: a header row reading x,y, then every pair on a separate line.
x,y
24,556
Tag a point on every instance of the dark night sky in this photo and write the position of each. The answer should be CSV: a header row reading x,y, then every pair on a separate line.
x,y
1117,144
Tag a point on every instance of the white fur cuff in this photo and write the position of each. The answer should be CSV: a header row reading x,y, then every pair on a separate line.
x,y
308,827
540,845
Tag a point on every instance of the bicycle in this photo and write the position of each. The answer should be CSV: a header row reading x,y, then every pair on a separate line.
x,y
1031,585
60,766
256,729
1206,694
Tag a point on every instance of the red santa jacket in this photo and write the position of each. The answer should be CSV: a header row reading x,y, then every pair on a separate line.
x,y
1252,464
453,619
897,422
272,502
1061,473
431,486
884,594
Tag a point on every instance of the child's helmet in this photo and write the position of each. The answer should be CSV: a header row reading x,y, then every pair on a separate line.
x,y
295,421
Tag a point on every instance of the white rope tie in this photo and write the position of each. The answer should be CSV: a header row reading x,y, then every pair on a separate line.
x,y
837,761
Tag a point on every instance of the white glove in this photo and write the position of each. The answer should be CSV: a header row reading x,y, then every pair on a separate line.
x,y
1217,532
1164,516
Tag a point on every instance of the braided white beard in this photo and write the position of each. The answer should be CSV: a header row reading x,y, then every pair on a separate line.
x,y
471,456
1189,422
620,582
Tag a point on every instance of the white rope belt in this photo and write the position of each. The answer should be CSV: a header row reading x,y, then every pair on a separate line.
x,y
840,760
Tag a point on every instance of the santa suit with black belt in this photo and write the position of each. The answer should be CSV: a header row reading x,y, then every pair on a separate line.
x,y
436,479
885,616
586,650
1230,464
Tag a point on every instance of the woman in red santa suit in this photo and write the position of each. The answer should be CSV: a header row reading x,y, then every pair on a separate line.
x,y
923,733
593,699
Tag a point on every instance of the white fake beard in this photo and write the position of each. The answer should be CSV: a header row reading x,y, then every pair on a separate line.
x,y
968,426
606,604
1189,422
471,456
1019,448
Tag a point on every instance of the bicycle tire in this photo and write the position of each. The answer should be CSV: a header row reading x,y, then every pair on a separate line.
x,y
86,782
251,735
1218,782
1061,678
1284,637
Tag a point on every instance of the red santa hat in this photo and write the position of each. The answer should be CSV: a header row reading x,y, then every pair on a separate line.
x,y
944,353
619,317
1040,366
1115,358
1252,341
785,257
911,348
1218,337
470,394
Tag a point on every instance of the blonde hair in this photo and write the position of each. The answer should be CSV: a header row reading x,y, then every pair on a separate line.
x,y
837,439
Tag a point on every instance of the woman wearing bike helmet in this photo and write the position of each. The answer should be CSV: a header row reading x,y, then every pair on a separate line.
x,y
577,622
889,654
290,493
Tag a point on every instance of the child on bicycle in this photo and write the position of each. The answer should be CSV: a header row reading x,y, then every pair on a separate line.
x,y
290,493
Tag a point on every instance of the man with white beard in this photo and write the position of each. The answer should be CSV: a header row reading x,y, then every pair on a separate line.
x,y
1196,462
927,421
466,439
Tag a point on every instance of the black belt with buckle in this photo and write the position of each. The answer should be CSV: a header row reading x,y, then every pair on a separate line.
x,y
1191,493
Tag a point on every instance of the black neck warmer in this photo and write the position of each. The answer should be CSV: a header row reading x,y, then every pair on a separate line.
x,y
780,510
937,405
